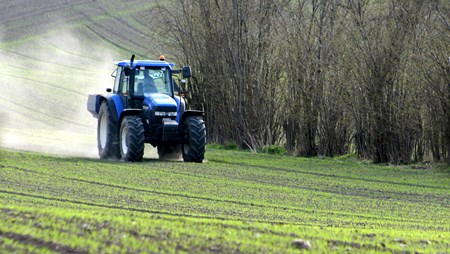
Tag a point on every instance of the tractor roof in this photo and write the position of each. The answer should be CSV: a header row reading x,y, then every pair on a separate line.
x,y
149,63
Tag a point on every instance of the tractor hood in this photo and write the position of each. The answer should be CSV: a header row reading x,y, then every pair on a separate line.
x,y
159,100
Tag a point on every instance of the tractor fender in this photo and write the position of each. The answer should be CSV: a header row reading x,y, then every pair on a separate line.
x,y
130,112
114,104
189,113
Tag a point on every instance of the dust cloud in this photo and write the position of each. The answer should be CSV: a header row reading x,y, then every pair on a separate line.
x,y
45,89
45,83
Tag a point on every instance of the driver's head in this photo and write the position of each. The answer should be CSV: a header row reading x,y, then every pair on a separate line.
x,y
146,72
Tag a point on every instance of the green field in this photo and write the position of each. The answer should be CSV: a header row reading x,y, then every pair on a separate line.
x,y
235,202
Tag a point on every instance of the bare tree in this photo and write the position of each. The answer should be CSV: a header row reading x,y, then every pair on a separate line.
x,y
231,45
322,77
432,68
381,32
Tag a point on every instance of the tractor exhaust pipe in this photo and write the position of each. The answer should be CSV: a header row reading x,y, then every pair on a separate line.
x,y
132,60
128,68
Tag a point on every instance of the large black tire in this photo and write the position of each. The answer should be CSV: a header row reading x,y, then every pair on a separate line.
x,y
132,138
107,133
169,152
195,133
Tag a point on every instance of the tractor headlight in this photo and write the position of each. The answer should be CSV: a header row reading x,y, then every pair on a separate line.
x,y
161,113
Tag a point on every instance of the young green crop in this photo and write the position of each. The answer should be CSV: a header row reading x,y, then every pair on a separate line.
x,y
235,202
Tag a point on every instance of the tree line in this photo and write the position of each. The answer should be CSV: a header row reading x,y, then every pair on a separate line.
x,y
319,77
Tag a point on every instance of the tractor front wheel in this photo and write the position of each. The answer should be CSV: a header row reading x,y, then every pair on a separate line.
x,y
195,134
132,139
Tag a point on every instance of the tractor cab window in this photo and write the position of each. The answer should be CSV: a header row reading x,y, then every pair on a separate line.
x,y
124,84
117,74
152,80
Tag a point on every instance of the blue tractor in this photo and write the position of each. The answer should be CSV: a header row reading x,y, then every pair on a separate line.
x,y
143,107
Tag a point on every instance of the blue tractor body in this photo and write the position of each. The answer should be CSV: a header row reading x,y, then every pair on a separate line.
x,y
145,106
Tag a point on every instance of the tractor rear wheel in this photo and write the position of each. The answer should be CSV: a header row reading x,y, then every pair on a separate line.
x,y
193,149
107,133
132,138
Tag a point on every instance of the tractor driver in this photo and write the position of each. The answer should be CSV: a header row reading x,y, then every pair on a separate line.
x,y
149,83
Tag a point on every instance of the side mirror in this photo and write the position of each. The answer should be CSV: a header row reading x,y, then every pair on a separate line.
x,y
108,90
187,72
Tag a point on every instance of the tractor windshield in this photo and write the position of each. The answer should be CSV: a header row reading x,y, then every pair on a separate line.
x,y
152,80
